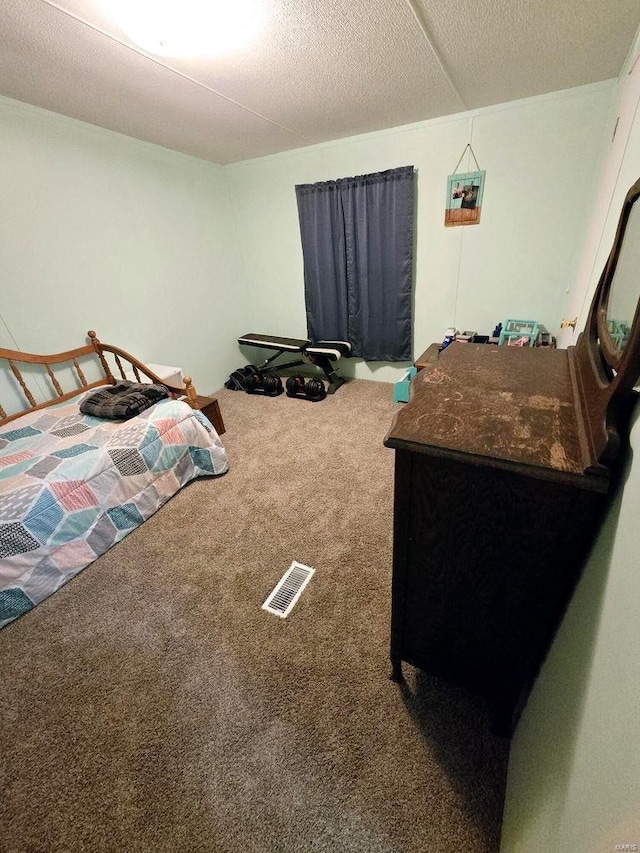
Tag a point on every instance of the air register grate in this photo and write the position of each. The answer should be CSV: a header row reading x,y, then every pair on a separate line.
x,y
288,589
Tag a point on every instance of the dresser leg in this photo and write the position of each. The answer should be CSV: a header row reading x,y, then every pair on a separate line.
x,y
396,670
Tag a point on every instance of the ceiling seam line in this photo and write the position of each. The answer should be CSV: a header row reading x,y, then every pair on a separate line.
x,y
417,14
184,76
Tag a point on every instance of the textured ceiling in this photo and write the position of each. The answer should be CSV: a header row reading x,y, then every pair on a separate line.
x,y
318,70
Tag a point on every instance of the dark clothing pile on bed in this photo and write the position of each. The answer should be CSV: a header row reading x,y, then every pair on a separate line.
x,y
123,400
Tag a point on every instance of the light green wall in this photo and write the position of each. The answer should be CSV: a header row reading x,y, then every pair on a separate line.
x,y
573,781
574,769
101,231
540,154
160,252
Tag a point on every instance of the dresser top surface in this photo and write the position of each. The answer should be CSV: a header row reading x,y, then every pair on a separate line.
x,y
514,404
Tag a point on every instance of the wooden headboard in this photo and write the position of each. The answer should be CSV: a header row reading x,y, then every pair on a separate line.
x,y
59,363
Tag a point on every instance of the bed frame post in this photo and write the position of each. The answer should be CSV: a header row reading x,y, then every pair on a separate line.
x,y
98,348
192,397
23,385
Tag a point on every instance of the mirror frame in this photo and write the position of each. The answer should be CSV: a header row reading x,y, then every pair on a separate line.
x,y
614,358
604,376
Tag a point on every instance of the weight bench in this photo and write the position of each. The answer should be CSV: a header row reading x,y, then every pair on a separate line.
x,y
324,354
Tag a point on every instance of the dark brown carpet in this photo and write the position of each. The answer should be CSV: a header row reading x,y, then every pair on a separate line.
x,y
151,705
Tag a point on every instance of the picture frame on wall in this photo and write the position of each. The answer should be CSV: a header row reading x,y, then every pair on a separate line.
x,y
464,198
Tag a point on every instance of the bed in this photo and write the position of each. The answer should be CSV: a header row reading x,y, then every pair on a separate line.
x,y
71,484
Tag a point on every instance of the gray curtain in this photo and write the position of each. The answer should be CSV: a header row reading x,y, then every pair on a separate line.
x,y
357,244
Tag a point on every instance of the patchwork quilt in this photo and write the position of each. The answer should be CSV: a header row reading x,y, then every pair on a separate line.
x,y
72,485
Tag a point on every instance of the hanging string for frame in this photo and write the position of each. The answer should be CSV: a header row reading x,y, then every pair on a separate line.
x,y
468,145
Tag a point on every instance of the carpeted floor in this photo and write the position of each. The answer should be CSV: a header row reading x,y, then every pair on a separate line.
x,y
151,705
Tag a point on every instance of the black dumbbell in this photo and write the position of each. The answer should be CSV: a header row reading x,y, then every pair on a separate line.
x,y
315,389
272,384
295,384
252,381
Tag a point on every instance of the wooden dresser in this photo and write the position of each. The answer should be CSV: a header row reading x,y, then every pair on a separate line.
x,y
493,513
502,467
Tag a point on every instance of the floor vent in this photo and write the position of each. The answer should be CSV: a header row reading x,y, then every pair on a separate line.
x,y
288,589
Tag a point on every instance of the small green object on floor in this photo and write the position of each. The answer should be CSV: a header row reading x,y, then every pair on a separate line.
x,y
401,388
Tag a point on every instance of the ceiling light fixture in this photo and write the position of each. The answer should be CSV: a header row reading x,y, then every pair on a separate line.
x,y
187,28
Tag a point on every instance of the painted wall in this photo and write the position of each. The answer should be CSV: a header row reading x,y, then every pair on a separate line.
x,y
101,231
541,156
619,171
159,251
574,780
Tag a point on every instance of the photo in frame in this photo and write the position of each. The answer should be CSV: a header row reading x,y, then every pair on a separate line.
x,y
464,198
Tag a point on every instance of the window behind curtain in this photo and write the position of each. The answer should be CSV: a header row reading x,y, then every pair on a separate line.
x,y
357,244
